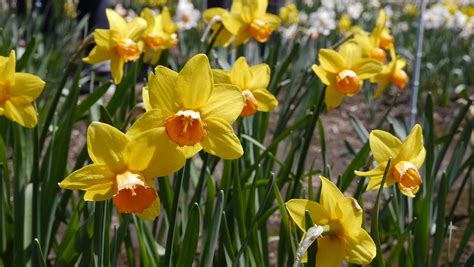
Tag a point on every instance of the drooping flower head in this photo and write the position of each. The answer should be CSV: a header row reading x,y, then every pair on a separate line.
x,y
123,168
343,72
341,218
18,91
195,113
253,83
119,44
289,14
251,22
159,35
407,158
391,73
213,17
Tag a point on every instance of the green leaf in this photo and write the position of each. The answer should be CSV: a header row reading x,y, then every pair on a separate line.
x,y
213,232
91,99
190,238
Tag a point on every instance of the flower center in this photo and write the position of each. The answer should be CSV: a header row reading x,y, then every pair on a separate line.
x,y
260,30
347,82
386,40
185,18
154,42
407,176
185,128
378,54
250,106
4,93
133,195
400,79
128,49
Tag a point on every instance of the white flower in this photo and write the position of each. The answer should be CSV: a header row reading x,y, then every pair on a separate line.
x,y
436,16
468,29
303,17
355,10
186,16
323,21
290,32
456,21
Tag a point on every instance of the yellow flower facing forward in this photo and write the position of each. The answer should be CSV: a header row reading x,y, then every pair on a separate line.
x,y
196,113
407,158
251,22
391,73
289,14
18,91
159,35
341,218
123,168
253,83
119,44
344,72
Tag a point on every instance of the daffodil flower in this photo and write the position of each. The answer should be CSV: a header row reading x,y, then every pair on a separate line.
x,y
343,238
253,83
391,73
160,34
195,113
123,168
344,72
289,14
119,44
213,17
407,158
18,91
251,22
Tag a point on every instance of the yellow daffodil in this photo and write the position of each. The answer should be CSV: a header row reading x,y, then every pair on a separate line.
x,y
253,83
213,17
123,168
18,91
379,40
345,23
196,113
391,73
407,158
289,14
344,72
119,44
152,3
160,34
343,237
251,22
410,9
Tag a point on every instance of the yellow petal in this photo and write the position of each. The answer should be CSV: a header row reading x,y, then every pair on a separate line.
x,y
297,208
351,52
266,101
194,82
349,214
242,37
419,159
331,60
162,90
116,22
322,74
145,154
409,192
330,195
26,88
7,69
367,68
150,120
384,145
221,140
381,86
333,97
210,13
23,114
359,249
226,102
221,76
261,6
190,151
412,145
148,15
233,23
116,67
272,20
98,179
240,74
103,39
146,98
98,55
375,172
152,212
261,74
135,28
375,181
379,25
330,251
105,145
168,25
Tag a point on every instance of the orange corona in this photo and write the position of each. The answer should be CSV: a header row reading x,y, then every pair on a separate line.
x,y
386,41
400,79
128,49
154,42
133,196
251,104
407,176
378,54
260,30
4,94
185,128
347,82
